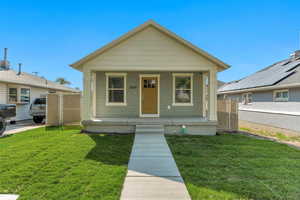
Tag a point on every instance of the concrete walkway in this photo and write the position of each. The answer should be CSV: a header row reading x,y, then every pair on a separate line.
x,y
21,126
152,171
8,196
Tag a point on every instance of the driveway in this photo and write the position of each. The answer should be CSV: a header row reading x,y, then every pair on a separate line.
x,y
21,126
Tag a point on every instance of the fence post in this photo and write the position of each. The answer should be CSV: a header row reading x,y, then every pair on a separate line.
x,y
229,113
61,106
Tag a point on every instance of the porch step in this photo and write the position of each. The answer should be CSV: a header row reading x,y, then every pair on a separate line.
x,y
149,129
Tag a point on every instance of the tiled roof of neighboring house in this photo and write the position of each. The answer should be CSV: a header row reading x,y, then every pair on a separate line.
x,y
11,76
269,76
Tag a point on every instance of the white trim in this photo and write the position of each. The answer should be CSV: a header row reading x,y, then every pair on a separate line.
x,y
204,93
246,102
158,95
94,93
212,95
20,89
174,89
8,92
281,99
147,68
124,75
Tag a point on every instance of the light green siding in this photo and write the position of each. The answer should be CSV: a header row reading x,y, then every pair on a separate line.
x,y
166,97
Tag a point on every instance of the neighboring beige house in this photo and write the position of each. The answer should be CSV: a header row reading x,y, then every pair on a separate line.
x,y
149,76
22,88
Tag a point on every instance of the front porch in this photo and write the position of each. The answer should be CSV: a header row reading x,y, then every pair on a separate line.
x,y
171,125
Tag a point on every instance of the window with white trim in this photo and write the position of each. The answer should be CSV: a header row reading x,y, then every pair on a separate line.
x,y
247,98
115,89
281,95
13,95
183,89
25,95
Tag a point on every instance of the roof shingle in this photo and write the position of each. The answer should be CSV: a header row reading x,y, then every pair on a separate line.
x,y
11,76
268,76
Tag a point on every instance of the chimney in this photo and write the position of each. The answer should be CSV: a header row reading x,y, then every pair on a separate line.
x,y
5,54
295,55
4,64
20,69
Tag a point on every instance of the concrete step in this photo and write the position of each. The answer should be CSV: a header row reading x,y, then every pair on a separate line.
x,y
150,126
149,129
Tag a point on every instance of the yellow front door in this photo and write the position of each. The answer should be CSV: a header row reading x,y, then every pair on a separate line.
x,y
149,95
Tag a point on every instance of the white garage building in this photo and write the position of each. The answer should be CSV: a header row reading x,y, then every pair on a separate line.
x,y
22,88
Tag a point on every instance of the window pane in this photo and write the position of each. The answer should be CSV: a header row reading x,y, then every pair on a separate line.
x,y
149,83
13,97
145,83
249,98
116,82
183,82
278,94
285,94
25,95
25,91
183,96
152,83
116,96
13,91
40,101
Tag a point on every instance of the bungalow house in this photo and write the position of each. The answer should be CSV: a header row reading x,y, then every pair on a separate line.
x,y
149,76
270,96
21,88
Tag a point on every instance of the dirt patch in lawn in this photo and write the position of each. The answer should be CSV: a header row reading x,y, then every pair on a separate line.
x,y
269,132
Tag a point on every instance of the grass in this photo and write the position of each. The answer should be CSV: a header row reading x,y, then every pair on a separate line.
x,y
236,167
268,133
61,163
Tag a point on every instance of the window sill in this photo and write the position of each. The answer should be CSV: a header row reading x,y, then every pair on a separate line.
x,y
182,104
281,100
116,104
18,103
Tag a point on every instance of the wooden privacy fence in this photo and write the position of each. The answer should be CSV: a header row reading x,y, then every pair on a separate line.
x,y
63,109
228,115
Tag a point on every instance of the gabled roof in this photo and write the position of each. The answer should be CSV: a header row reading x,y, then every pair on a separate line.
x,y
269,76
12,77
203,53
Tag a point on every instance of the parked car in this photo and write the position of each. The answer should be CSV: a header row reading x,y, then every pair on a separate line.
x,y
6,112
38,110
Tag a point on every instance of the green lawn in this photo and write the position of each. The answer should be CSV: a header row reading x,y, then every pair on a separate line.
x,y
237,167
56,163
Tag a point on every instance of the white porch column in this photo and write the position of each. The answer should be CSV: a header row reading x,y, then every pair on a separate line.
x,y
93,94
87,95
212,95
204,94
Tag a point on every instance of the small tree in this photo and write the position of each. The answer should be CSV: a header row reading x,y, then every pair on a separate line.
x,y
62,81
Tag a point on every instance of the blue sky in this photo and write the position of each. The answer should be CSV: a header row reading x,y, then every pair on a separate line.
x,y
47,36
